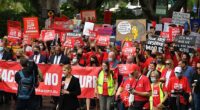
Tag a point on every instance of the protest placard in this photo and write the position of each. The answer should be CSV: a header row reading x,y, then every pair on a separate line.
x,y
155,42
87,28
185,43
180,18
131,29
14,30
48,35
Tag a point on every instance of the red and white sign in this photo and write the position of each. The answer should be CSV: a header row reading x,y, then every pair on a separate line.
x,y
52,79
167,36
93,35
87,78
31,25
173,32
14,30
103,40
48,35
50,86
126,51
71,42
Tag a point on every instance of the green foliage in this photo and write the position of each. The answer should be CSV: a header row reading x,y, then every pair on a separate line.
x,y
16,10
68,10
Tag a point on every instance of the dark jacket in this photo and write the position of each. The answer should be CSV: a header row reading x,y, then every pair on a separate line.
x,y
7,55
42,58
64,59
70,101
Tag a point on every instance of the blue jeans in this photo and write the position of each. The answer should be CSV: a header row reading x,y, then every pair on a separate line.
x,y
197,101
31,104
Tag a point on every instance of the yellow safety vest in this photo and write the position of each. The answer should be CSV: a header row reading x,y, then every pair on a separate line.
x,y
160,93
110,81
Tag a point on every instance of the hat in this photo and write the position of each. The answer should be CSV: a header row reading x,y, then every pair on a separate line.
x,y
178,69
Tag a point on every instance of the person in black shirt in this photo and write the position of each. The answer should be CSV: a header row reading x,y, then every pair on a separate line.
x,y
196,87
28,68
69,91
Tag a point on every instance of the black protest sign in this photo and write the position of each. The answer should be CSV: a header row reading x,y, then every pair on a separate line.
x,y
185,43
155,42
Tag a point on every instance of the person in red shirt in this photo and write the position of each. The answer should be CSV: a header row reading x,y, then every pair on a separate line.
x,y
123,91
168,72
159,93
179,91
141,89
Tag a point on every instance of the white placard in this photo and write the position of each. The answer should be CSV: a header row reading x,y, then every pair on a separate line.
x,y
87,27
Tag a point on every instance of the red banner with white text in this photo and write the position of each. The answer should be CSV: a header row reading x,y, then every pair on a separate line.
x,y
87,78
50,86
52,79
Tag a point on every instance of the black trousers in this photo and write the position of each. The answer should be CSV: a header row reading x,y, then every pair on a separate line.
x,y
137,105
31,104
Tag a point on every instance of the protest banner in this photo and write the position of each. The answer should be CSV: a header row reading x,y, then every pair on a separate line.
x,y
87,28
131,29
50,86
195,25
73,34
155,42
185,43
180,18
14,30
126,51
48,35
88,15
87,78
52,79
103,40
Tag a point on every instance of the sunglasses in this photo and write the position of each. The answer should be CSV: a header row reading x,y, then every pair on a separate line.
x,y
168,63
178,72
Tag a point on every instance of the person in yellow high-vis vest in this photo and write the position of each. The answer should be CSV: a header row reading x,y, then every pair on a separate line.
x,y
106,87
159,93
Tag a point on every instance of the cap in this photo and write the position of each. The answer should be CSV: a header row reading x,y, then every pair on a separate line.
x,y
178,69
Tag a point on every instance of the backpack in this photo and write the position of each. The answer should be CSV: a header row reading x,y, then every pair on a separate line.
x,y
26,86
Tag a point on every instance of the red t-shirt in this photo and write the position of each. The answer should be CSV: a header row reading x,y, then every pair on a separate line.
x,y
166,76
156,94
105,84
143,85
126,85
177,84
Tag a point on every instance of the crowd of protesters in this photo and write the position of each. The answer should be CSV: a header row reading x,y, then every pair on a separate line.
x,y
167,81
